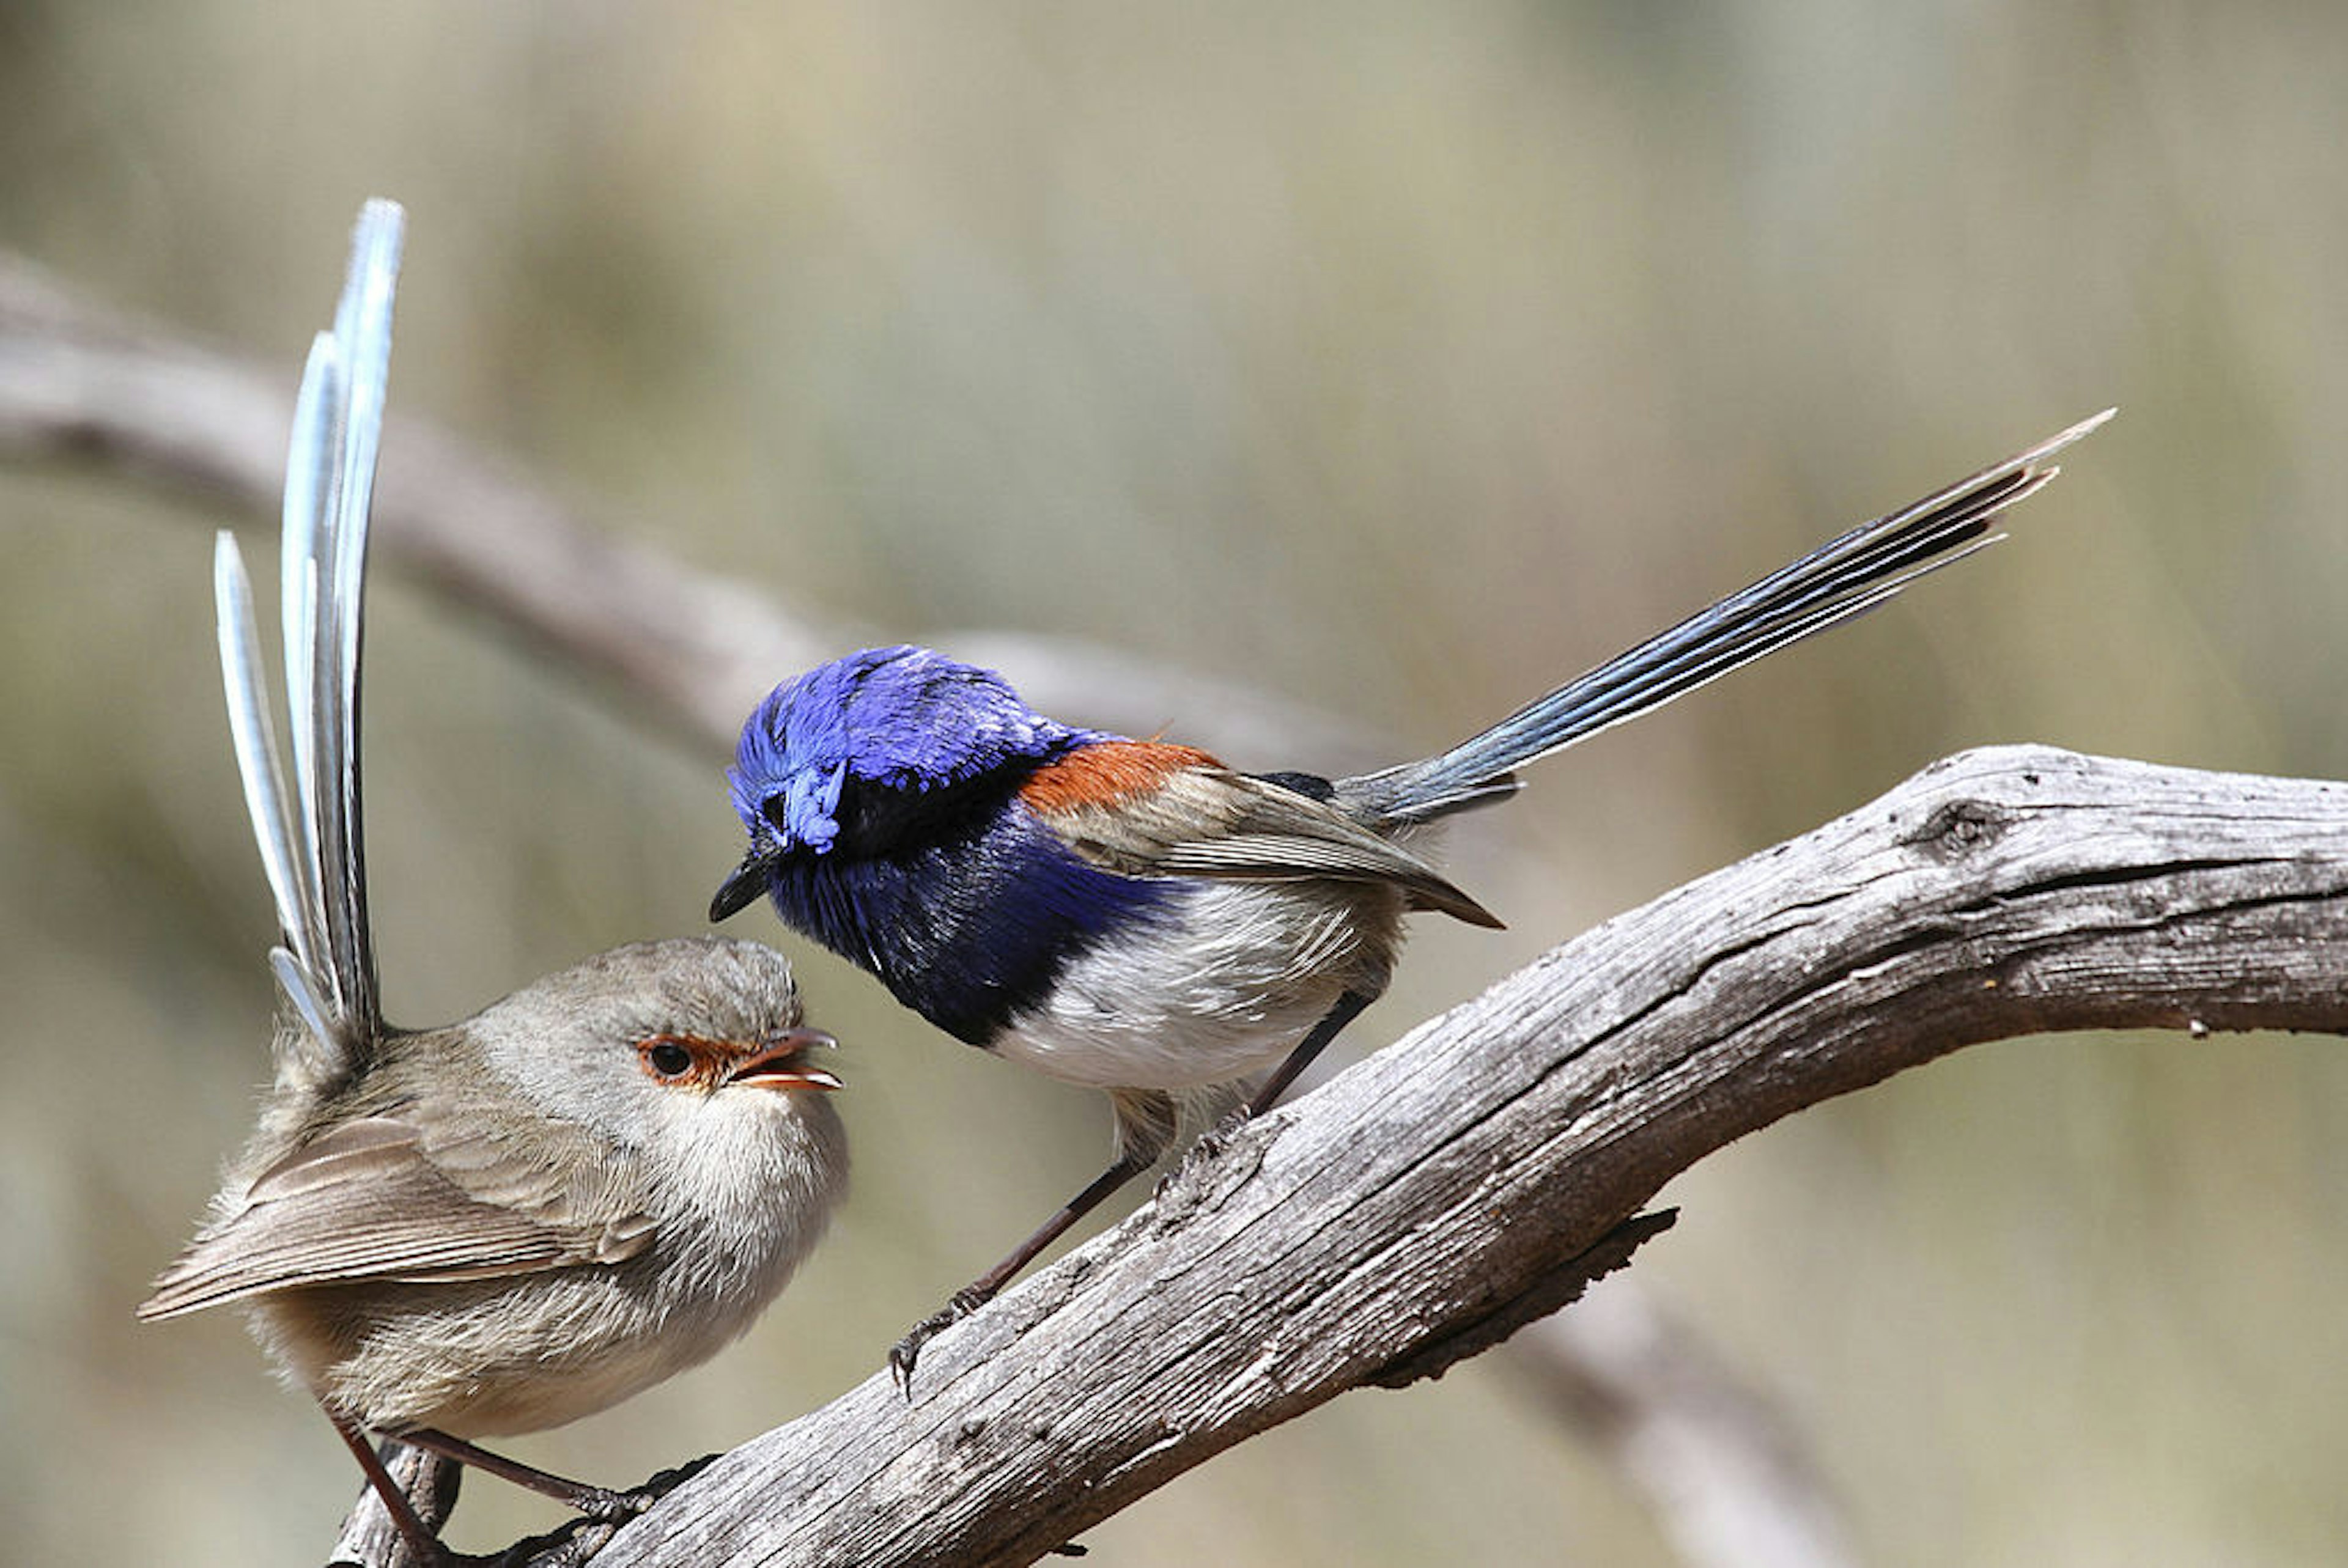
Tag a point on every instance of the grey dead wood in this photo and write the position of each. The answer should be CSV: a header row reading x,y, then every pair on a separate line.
x,y
1391,1216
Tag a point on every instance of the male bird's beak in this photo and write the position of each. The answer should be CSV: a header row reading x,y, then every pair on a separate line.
x,y
743,883
783,1063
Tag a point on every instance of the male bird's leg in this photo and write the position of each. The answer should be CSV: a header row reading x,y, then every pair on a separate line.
x,y
981,1290
1349,1008
1144,1137
597,1502
422,1544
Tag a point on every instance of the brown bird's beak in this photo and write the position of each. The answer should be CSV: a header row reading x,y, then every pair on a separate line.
x,y
783,1063
743,883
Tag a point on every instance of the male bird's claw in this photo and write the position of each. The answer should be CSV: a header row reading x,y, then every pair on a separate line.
x,y
1212,1142
908,1351
1207,1146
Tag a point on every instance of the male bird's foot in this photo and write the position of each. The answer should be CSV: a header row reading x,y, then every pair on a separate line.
x,y
1204,1149
908,1351
1225,1129
1216,1138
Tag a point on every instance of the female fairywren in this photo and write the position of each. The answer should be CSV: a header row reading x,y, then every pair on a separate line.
x,y
508,1223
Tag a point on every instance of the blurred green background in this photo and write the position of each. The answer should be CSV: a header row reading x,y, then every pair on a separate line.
x,y
1397,357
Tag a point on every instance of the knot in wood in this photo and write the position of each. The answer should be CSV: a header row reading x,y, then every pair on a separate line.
x,y
1960,828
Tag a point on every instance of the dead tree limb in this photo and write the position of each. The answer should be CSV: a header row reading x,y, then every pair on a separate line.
x,y
1446,1186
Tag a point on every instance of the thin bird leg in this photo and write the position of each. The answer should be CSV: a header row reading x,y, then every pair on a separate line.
x,y
422,1544
597,1502
1349,1008
981,1290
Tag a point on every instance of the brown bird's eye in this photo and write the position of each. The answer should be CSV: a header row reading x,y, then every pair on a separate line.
x,y
666,1057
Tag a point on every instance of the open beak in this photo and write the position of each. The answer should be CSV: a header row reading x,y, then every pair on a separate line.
x,y
743,883
783,1064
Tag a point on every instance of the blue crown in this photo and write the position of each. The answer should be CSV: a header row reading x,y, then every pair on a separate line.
x,y
906,718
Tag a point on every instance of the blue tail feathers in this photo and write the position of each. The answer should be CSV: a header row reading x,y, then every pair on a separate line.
x,y
1841,580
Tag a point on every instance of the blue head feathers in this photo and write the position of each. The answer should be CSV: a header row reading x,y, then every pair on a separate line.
x,y
867,786
905,718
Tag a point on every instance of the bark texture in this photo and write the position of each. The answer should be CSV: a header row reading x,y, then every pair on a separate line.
x,y
1469,1177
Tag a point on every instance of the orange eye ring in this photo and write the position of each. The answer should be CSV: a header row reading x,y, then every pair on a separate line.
x,y
668,1057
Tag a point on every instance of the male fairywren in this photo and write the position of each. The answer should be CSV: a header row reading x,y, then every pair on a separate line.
x,y
1140,918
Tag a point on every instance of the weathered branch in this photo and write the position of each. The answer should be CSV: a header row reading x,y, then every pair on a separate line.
x,y
1431,1188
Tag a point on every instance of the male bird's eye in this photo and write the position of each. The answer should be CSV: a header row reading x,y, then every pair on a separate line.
x,y
665,1058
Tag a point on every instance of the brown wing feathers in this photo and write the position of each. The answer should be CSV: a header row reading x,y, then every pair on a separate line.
x,y
1148,809
368,1202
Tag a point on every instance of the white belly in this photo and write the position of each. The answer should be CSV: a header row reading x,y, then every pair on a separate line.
x,y
1221,989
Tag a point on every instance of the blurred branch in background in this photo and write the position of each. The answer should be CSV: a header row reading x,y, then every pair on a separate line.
x,y
693,649
1435,1197
81,386
1728,1479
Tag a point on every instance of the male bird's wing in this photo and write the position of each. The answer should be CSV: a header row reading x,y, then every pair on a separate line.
x,y
415,1196
1146,809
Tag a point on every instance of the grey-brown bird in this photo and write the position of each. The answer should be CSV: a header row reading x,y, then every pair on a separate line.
x,y
509,1222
